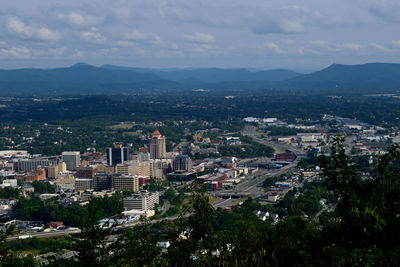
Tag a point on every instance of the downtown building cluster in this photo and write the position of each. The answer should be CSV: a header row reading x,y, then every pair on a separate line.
x,y
77,175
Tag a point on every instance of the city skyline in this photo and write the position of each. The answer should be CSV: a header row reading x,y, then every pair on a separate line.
x,y
177,34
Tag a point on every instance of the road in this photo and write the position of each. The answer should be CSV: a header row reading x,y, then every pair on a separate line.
x,y
165,206
76,231
251,186
47,234
249,130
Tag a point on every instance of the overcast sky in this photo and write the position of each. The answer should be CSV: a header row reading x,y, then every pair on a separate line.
x,y
301,35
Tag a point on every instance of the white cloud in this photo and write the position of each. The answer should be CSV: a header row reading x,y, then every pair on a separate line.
x,y
380,47
352,46
16,26
199,37
336,47
139,36
269,26
79,19
46,34
292,26
124,43
58,51
75,18
308,51
19,52
93,35
395,44
78,54
123,12
274,47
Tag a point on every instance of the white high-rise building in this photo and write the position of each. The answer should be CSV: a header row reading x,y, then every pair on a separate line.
x,y
141,201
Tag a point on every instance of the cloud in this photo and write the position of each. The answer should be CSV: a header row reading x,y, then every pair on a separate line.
x,y
395,44
17,27
384,9
285,27
44,33
380,47
78,54
58,51
78,19
202,31
93,35
125,43
75,18
19,52
274,47
292,26
199,37
138,36
352,46
308,51
336,47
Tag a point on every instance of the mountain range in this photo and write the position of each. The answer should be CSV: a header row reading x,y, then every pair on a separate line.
x,y
88,79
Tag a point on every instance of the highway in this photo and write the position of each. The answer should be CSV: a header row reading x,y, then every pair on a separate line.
x,y
76,231
251,186
46,234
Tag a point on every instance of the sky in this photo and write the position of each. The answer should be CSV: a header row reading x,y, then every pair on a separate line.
x,y
267,34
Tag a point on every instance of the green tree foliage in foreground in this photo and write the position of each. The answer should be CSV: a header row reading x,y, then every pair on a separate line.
x,y
91,244
368,208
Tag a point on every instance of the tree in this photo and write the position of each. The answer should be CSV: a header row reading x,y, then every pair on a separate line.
x,y
199,243
43,187
91,242
170,194
9,192
368,207
7,258
138,247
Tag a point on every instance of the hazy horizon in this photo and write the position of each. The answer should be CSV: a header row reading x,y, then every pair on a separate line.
x,y
284,34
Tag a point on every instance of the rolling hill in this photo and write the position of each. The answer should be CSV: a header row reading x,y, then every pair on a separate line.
x,y
109,79
368,76
214,75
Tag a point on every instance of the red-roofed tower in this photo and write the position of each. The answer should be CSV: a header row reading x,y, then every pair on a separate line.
x,y
157,145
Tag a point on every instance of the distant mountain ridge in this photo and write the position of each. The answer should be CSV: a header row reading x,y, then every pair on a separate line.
x,y
78,73
88,79
214,75
370,75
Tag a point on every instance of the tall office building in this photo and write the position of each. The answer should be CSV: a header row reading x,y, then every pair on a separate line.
x,y
101,181
157,145
182,163
72,159
117,154
83,184
125,182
